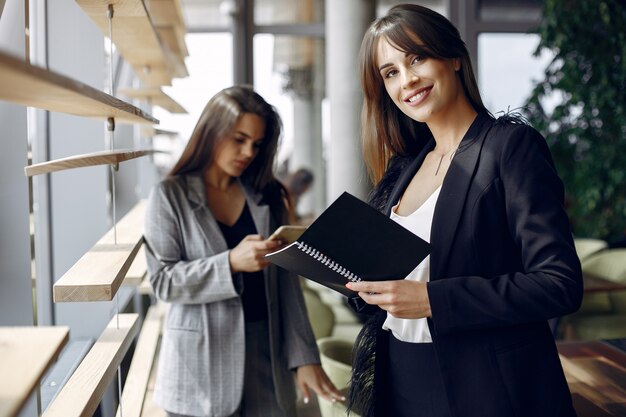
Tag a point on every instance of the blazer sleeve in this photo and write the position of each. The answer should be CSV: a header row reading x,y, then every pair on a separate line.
x,y
174,279
545,279
299,341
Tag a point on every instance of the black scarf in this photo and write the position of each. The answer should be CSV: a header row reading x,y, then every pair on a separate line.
x,y
369,352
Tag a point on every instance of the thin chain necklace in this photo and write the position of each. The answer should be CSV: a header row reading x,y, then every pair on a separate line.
x,y
451,152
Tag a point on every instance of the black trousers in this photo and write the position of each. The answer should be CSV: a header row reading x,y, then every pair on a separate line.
x,y
414,385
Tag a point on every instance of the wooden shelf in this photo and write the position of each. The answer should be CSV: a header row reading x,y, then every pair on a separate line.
x,y
85,160
26,353
150,408
34,86
82,393
145,288
99,273
151,131
135,38
167,17
137,271
156,96
138,376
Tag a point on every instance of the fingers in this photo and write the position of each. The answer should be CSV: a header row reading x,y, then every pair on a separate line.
x,y
368,286
252,238
324,388
330,392
304,390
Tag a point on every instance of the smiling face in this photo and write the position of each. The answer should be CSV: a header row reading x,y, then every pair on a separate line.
x,y
235,153
426,89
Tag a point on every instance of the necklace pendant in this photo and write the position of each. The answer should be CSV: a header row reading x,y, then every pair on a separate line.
x,y
439,165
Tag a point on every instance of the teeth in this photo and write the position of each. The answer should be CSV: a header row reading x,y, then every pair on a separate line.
x,y
417,96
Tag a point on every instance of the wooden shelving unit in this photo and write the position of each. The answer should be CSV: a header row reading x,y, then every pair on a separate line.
x,y
167,17
34,86
86,160
138,269
156,96
157,54
136,39
26,353
82,393
151,131
138,376
99,273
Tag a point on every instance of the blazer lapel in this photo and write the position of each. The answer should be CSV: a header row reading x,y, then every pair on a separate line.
x,y
196,193
453,194
407,175
260,213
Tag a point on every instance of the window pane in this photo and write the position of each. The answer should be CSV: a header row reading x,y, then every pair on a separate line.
x,y
272,12
288,73
210,66
202,14
514,10
507,69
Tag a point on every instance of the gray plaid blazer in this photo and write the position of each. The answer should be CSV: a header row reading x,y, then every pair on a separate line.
x,y
201,363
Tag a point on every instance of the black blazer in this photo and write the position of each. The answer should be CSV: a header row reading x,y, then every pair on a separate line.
x,y
502,263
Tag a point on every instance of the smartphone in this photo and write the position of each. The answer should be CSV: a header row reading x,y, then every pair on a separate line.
x,y
289,234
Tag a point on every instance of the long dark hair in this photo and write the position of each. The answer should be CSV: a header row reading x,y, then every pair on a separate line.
x,y
386,131
217,122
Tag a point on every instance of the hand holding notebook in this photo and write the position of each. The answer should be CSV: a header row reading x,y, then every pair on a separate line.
x,y
352,241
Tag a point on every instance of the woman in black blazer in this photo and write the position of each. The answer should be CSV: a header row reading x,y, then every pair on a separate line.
x,y
466,333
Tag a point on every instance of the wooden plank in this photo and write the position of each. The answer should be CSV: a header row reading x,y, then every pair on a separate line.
x,y
86,160
167,17
150,408
151,131
83,391
166,13
99,273
34,86
145,288
156,96
596,375
174,38
134,36
137,379
138,270
26,353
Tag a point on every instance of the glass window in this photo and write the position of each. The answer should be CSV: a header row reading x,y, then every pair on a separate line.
x,y
507,69
288,73
210,67
202,14
273,12
513,10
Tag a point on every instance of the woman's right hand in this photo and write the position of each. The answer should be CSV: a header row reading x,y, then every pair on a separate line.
x,y
247,256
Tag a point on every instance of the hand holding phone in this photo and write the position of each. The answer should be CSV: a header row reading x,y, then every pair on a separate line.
x,y
288,234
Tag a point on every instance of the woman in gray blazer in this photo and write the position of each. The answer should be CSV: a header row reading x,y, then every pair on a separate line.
x,y
237,327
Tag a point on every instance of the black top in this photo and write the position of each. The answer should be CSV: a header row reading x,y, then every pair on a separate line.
x,y
253,295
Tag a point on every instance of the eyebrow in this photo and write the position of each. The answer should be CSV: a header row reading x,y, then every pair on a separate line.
x,y
389,64
242,133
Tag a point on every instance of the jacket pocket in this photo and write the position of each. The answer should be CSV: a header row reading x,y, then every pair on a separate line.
x,y
185,317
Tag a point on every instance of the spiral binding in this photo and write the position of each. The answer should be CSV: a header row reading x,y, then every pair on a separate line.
x,y
320,257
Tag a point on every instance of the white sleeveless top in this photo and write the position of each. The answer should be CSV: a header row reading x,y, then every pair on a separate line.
x,y
419,222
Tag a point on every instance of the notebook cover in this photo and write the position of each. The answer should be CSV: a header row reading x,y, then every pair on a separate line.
x,y
358,237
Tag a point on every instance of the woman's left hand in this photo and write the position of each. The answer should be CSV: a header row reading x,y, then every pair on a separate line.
x,y
402,298
314,377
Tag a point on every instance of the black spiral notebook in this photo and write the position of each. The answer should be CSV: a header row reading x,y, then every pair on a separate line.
x,y
352,241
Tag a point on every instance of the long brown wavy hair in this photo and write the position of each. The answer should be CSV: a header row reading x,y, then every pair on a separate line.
x,y
217,121
385,130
